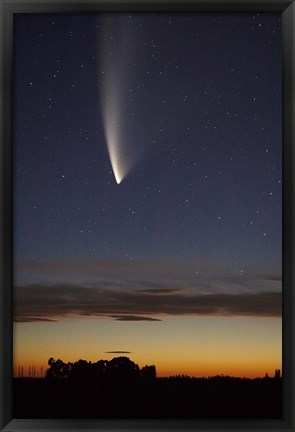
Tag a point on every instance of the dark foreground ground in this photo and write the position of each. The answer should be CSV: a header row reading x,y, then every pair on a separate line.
x,y
210,398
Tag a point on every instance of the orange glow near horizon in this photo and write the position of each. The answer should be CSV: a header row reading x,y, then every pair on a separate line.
x,y
194,346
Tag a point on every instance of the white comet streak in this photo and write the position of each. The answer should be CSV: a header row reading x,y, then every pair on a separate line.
x,y
115,82
115,134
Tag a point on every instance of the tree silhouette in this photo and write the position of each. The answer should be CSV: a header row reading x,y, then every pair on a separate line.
x,y
58,369
148,372
117,369
122,367
81,371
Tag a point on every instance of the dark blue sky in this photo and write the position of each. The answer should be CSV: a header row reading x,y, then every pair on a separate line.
x,y
201,96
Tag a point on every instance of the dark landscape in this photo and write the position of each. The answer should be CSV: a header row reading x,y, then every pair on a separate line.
x,y
119,389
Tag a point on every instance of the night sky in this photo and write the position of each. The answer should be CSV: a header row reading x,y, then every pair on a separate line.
x,y
187,109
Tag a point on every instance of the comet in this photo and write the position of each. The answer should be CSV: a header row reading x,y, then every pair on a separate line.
x,y
115,83
115,127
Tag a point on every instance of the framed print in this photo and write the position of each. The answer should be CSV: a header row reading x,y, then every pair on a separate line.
x,y
147,177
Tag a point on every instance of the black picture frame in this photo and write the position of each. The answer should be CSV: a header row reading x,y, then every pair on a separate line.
x,y
7,9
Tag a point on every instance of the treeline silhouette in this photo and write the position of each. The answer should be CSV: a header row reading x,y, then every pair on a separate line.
x,y
120,389
119,368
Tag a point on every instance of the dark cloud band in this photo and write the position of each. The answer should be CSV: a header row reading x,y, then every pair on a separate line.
x,y
51,303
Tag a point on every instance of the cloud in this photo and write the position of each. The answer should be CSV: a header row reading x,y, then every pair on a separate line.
x,y
118,352
160,291
147,277
34,319
133,318
273,278
54,302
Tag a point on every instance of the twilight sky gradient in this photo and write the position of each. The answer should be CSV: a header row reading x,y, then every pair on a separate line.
x,y
147,190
